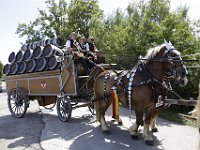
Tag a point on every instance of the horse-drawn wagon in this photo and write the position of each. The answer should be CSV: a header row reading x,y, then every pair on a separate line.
x,y
67,86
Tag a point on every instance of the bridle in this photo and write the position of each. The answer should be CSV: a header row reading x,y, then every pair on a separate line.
x,y
174,62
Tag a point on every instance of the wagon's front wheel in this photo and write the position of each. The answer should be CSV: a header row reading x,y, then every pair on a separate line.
x,y
17,102
64,109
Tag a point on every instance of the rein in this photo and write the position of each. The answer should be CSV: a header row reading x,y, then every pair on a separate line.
x,y
168,60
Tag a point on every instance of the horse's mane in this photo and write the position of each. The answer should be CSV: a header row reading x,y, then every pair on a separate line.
x,y
152,52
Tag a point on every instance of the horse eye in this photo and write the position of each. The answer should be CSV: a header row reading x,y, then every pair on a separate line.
x,y
183,73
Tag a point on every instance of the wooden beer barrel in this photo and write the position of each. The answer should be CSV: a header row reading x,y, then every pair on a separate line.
x,y
13,68
37,52
27,55
6,69
51,50
41,43
29,46
56,41
47,42
41,64
53,62
24,47
11,57
33,45
31,64
22,67
19,56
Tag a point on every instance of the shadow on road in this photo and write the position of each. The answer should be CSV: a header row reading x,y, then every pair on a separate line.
x,y
26,131
118,139
21,131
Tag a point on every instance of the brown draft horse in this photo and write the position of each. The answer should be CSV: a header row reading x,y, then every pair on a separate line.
x,y
140,87
196,113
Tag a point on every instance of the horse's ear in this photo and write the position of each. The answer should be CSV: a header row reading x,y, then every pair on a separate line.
x,y
167,46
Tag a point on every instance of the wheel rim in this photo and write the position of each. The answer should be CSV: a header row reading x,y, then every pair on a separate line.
x,y
91,108
64,109
17,103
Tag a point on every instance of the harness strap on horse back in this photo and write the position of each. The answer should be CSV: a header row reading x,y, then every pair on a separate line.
x,y
105,85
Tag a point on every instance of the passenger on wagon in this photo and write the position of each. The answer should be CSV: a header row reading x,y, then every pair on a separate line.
x,y
83,45
73,47
92,48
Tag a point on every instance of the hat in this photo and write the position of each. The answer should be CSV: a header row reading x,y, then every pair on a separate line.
x,y
91,37
74,33
83,37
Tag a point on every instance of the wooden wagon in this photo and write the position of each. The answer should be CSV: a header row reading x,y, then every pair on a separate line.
x,y
66,86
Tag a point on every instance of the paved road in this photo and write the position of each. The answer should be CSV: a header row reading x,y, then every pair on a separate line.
x,y
41,129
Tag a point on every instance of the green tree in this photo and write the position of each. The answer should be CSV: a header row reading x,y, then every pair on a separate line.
x,y
61,18
122,36
83,15
1,69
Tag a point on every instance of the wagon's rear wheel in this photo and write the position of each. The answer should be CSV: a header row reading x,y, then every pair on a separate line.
x,y
64,109
17,102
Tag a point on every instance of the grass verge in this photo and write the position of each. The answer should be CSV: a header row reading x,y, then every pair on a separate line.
x,y
172,115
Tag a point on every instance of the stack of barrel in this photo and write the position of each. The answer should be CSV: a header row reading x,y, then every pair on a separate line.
x,y
35,57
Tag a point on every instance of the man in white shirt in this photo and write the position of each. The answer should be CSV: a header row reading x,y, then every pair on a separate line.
x,y
70,44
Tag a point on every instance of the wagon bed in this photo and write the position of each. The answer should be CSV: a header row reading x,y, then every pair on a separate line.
x,y
66,86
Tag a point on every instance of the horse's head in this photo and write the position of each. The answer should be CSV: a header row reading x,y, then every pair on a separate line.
x,y
177,69
169,60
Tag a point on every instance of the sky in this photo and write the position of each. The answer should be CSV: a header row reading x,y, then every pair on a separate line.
x,y
13,12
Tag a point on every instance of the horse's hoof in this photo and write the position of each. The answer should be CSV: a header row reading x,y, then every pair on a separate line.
x,y
154,130
106,132
120,123
149,142
134,137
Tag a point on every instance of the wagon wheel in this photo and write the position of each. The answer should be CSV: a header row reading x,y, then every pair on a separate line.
x,y
50,106
17,102
91,108
64,109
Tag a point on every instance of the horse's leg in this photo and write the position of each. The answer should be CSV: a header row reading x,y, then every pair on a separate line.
x,y
153,122
139,120
120,121
146,133
101,107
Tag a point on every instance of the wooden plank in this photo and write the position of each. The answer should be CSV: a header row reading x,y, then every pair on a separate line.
x,y
181,102
181,116
32,75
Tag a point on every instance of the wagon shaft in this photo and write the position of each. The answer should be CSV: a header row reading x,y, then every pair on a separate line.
x,y
180,102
